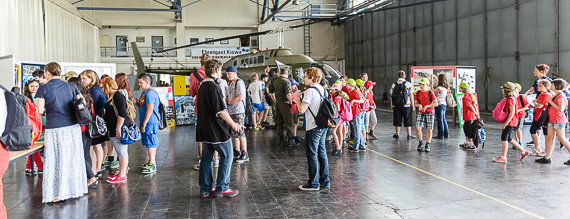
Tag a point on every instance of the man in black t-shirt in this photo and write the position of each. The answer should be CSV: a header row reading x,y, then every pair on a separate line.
x,y
213,131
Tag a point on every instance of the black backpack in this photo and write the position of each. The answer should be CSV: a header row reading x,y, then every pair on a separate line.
x,y
17,134
399,94
327,115
162,123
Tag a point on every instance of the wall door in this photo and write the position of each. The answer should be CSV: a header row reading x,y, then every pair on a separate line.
x,y
157,43
121,43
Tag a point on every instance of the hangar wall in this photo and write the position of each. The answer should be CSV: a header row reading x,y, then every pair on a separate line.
x,y
503,39
64,34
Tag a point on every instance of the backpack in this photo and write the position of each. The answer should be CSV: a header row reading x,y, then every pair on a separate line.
x,y
23,126
399,94
499,113
248,102
327,116
345,110
162,123
366,105
522,113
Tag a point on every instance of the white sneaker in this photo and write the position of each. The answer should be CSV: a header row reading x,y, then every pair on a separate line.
x,y
197,166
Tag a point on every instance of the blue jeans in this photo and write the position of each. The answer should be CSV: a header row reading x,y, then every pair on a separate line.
x,y
357,127
317,155
442,129
206,177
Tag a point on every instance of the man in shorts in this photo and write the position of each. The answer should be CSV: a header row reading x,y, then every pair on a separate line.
x,y
401,104
235,99
149,119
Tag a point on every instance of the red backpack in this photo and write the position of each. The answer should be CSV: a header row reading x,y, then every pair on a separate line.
x,y
499,113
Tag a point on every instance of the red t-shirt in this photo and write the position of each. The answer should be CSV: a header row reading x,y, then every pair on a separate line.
x,y
469,115
511,101
293,105
338,102
555,116
370,98
521,114
424,99
355,95
542,99
345,89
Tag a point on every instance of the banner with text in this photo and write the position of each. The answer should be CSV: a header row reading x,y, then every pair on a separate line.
x,y
220,53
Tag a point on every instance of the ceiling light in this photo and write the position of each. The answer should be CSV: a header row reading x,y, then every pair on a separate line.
x,y
295,2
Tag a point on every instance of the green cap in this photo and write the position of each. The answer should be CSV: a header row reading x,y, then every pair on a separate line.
x,y
517,85
351,82
338,82
464,85
359,82
424,81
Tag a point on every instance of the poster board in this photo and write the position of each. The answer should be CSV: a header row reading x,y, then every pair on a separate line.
x,y
455,75
27,68
167,99
101,68
184,108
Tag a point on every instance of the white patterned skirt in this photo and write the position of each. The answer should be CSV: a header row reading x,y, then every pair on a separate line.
x,y
64,165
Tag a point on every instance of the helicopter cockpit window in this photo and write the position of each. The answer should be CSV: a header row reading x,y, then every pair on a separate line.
x,y
299,72
330,74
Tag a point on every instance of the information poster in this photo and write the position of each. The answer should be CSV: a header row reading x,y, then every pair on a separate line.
x,y
184,107
464,74
28,69
167,99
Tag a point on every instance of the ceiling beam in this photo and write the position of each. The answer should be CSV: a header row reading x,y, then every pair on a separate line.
x,y
275,11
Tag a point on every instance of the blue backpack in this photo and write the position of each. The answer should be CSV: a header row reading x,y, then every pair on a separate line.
x,y
482,137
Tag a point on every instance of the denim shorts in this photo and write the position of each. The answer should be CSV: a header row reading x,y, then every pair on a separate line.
x,y
149,137
258,107
557,125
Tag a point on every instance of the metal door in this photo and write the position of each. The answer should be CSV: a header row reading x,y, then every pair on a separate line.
x,y
157,43
121,43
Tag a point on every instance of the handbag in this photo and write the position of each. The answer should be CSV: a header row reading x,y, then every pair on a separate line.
x,y
97,127
450,101
129,134
82,115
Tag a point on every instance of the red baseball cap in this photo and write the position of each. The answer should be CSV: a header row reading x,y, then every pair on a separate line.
x,y
369,83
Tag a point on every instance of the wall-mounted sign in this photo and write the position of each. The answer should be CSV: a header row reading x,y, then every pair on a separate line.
x,y
140,39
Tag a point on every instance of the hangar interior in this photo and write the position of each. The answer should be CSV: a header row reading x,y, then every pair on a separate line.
x,y
502,39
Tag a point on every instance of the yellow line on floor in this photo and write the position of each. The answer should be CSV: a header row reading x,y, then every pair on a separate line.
x,y
458,185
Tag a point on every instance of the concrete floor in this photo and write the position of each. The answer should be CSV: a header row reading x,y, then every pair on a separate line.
x,y
390,180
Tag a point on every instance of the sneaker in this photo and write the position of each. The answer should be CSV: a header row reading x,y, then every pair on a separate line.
x,y
427,148
530,143
297,139
117,180
538,153
396,136
524,155
107,163
99,173
40,172
292,143
499,159
196,166
114,165
352,149
463,145
325,186
420,146
29,172
372,135
244,157
543,160
567,162
308,187
337,152
258,129
411,137
470,147
228,193
150,168
437,137
265,123
237,154
216,163
112,177
144,165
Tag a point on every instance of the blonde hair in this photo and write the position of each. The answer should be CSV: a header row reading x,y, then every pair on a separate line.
x,y
507,92
314,74
254,77
95,81
108,86
544,82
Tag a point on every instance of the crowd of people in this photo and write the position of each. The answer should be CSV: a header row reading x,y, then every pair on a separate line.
x,y
549,118
225,108
71,165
